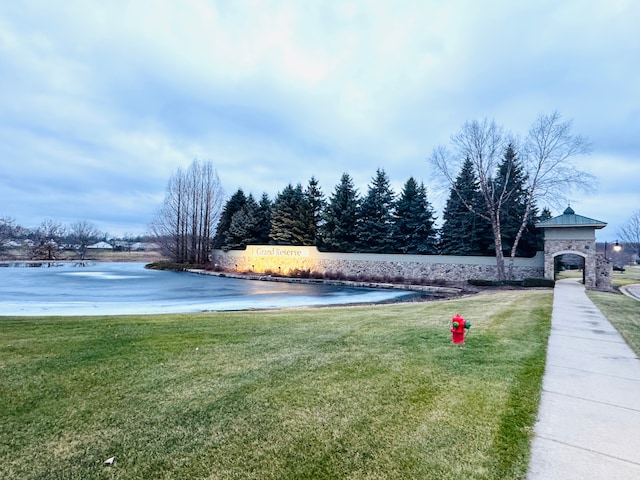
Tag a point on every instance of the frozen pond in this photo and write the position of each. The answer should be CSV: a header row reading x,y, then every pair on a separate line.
x,y
128,288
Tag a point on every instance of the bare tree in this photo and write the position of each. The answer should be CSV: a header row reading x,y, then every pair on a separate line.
x,y
47,241
482,143
83,234
548,150
185,223
629,233
7,231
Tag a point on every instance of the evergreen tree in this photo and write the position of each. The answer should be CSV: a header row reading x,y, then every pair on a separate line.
x,y
413,222
239,232
317,204
463,232
510,184
511,180
544,215
244,226
375,226
290,218
339,231
263,217
237,201
532,239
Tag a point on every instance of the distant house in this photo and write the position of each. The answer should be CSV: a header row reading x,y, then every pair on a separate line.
x,y
124,246
101,246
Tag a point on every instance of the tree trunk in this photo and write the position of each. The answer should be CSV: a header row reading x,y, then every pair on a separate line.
x,y
497,241
523,225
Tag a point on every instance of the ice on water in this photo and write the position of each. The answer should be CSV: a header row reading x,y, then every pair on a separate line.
x,y
73,290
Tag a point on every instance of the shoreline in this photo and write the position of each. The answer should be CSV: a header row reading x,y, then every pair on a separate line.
x,y
445,292
146,256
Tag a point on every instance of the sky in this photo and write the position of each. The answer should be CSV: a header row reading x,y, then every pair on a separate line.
x,y
102,102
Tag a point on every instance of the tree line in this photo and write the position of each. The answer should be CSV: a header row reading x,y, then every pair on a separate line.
x,y
380,221
47,240
495,181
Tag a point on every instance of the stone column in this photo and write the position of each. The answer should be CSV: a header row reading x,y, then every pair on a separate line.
x,y
604,269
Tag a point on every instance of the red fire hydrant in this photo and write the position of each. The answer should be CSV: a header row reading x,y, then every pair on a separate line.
x,y
458,326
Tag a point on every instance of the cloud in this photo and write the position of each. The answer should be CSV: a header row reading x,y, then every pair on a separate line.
x,y
107,100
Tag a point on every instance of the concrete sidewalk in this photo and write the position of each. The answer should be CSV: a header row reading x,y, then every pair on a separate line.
x,y
589,420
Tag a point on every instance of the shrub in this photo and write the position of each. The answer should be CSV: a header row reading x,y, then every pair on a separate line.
x,y
178,267
213,267
298,273
335,276
538,282
438,282
527,282
479,282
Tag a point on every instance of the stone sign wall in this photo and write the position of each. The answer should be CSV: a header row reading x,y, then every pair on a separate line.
x,y
281,259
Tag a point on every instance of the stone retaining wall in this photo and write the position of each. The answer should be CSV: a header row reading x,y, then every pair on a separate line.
x,y
279,259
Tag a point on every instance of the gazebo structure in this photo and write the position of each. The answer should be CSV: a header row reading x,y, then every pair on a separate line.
x,y
570,233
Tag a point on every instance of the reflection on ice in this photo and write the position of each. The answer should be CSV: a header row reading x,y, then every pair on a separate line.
x,y
69,289
103,275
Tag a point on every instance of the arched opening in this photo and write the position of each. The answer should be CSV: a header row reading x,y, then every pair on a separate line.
x,y
569,264
570,233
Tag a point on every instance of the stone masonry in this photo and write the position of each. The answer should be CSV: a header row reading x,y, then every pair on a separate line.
x,y
571,233
585,248
284,259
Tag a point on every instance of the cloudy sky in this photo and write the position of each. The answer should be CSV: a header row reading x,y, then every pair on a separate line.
x,y
101,102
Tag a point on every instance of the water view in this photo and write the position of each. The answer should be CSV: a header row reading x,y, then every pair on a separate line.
x,y
129,288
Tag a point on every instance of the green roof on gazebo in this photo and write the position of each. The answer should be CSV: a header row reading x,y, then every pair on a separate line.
x,y
570,219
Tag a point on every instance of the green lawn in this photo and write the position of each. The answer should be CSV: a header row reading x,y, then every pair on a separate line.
x,y
623,312
374,392
631,275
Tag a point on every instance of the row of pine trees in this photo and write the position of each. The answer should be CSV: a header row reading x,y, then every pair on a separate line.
x,y
381,221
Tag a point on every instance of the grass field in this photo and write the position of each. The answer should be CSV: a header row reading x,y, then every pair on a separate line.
x,y
623,312
374,392
630,275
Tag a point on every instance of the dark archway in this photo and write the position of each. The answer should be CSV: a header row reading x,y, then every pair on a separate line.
x,y
569,262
